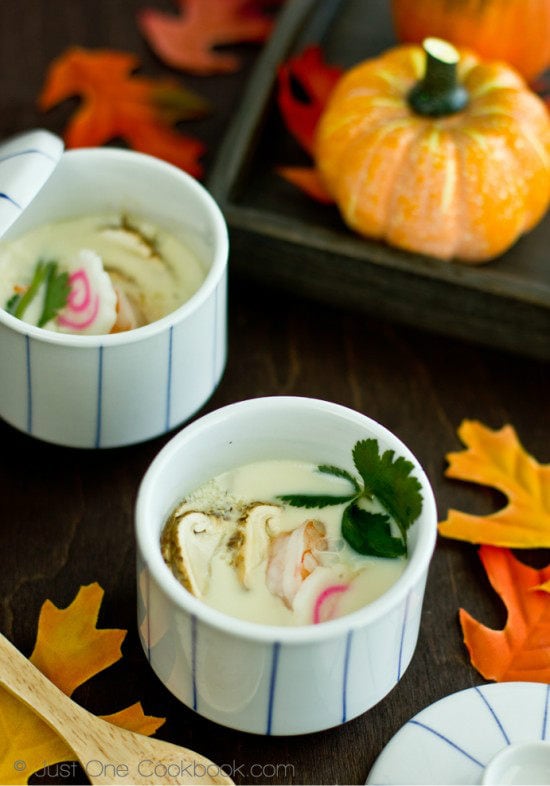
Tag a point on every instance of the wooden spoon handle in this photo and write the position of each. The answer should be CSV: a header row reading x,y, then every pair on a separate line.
x,y
95,742
27,683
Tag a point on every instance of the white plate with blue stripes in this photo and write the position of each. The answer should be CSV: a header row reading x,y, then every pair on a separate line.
x,y
454,739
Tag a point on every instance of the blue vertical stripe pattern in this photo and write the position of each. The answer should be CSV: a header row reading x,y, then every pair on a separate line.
x,y
272,685
493,713
545,714
29,383
97,442
194,661
402,642
345,681
169,379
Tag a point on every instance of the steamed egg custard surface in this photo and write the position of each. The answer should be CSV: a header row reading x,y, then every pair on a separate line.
x,y
235,545
96,275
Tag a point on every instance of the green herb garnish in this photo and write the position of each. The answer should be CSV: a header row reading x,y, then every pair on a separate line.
x,y
55,297
388,480
18,304
57,293
12,303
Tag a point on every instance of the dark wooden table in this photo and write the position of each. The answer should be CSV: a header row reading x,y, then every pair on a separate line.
x,y
67,515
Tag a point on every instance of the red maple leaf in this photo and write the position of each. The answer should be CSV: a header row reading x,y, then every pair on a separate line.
x,y
116,103
305,83
315,79
187,41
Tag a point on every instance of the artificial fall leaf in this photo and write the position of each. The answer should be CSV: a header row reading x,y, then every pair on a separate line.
x,y
69,650
521,651
187,41
541,85
497,459
117,104
307,179
133,718
305,83
315,79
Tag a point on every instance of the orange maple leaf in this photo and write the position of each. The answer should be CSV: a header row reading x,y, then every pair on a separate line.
x,y
69,650
118,104
187,41
307,179
497,459
521,651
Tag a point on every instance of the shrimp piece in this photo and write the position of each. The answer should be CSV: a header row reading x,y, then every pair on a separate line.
x,y
126,317
292,559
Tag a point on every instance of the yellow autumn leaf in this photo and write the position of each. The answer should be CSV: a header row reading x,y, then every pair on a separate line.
x,y
497,459
69,650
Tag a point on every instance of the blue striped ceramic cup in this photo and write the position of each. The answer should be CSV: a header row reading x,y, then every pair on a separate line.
x,y
262,678
106,391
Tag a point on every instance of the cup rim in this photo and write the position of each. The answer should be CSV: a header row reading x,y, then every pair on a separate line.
x,y
149,547
213,277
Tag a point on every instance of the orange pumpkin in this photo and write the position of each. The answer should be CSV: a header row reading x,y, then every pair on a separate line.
x,y
517,31
434,155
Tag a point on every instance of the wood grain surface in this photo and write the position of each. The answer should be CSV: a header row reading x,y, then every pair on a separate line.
x,y
67,515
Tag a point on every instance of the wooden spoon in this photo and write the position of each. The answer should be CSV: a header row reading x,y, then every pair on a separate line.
x,y
108,753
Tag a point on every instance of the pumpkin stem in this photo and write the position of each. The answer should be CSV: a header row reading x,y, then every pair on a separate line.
x,y
439,93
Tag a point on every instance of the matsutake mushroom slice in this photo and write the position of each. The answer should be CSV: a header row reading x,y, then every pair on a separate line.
x,y
251,539
293,557
132,238
189,543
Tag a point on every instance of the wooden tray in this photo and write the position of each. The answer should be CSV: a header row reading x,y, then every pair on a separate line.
x,y
281,237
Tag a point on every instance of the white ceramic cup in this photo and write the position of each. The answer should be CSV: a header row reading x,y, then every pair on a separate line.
x,y
262,678
106,391
522,763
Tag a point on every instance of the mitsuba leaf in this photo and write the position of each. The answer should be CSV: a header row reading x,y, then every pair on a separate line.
x,y
370,533
390,481
314,500
330,469
13,302
40,273
57,292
